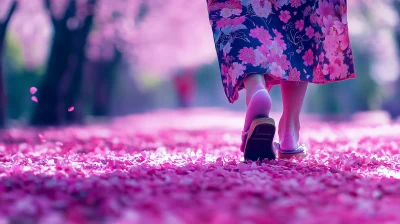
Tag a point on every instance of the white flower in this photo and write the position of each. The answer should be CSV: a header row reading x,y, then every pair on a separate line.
x,y
274,48
226,12
261,11
276,70
227,48
260,58
283,2
237,70
236,12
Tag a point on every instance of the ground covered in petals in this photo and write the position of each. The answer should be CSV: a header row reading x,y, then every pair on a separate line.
x,y
185,167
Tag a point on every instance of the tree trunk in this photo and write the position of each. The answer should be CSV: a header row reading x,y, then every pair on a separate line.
x,y
61,86
48,111
3,29
104,81
73,80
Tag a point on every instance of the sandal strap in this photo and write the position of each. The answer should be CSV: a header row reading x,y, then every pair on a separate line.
x,y
302,148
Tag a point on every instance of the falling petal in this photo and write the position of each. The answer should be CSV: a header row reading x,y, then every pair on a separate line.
x,y
34,99
59,144
71,109
42,138
33,90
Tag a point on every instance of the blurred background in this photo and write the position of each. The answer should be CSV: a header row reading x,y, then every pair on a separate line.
x,y
101,58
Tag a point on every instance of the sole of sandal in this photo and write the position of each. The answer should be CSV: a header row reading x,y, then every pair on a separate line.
x,y
259,142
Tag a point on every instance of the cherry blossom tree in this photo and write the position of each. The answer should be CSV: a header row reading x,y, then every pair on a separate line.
x,y
5,17
61,84
172,41
106,48
174,35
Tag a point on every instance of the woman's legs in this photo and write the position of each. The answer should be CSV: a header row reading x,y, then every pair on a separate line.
x,y
259,102
289,126
253,83
257,99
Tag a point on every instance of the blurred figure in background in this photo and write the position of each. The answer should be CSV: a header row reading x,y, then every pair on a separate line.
x,y
185,84
261,43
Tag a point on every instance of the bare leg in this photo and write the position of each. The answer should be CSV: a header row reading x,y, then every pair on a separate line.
x,y
257,99
289,126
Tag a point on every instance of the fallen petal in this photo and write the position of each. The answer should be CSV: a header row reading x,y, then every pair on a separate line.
x,y
34,99
33,90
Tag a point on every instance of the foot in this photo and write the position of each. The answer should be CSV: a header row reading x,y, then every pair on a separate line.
x,y
289,129
259,105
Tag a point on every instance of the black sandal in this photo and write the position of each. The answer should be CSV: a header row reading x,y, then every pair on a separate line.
x,y
259,140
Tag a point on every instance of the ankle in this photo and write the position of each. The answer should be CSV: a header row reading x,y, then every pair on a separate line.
x,y
289,132
259,104
250,92
289,122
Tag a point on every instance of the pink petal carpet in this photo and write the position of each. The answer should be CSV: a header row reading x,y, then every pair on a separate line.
x,y
185,167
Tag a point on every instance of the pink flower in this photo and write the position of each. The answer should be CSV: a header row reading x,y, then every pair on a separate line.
x,y
333,70
238,21
294,75
337,59
344,70
264,50
280,43
331,43
283,62
223,23
285,16
213,5
234,4
308,58
314,18
344,40
339,26
299,25
318,35
326,8
307,11
309,32
247,55
318,75
277,33
261,34
273,57
321,57
328,24
295,3
224,70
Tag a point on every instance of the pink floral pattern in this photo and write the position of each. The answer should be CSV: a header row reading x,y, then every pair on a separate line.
x,y
295,40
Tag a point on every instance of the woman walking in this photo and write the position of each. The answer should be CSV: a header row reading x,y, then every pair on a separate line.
x,y
261,43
